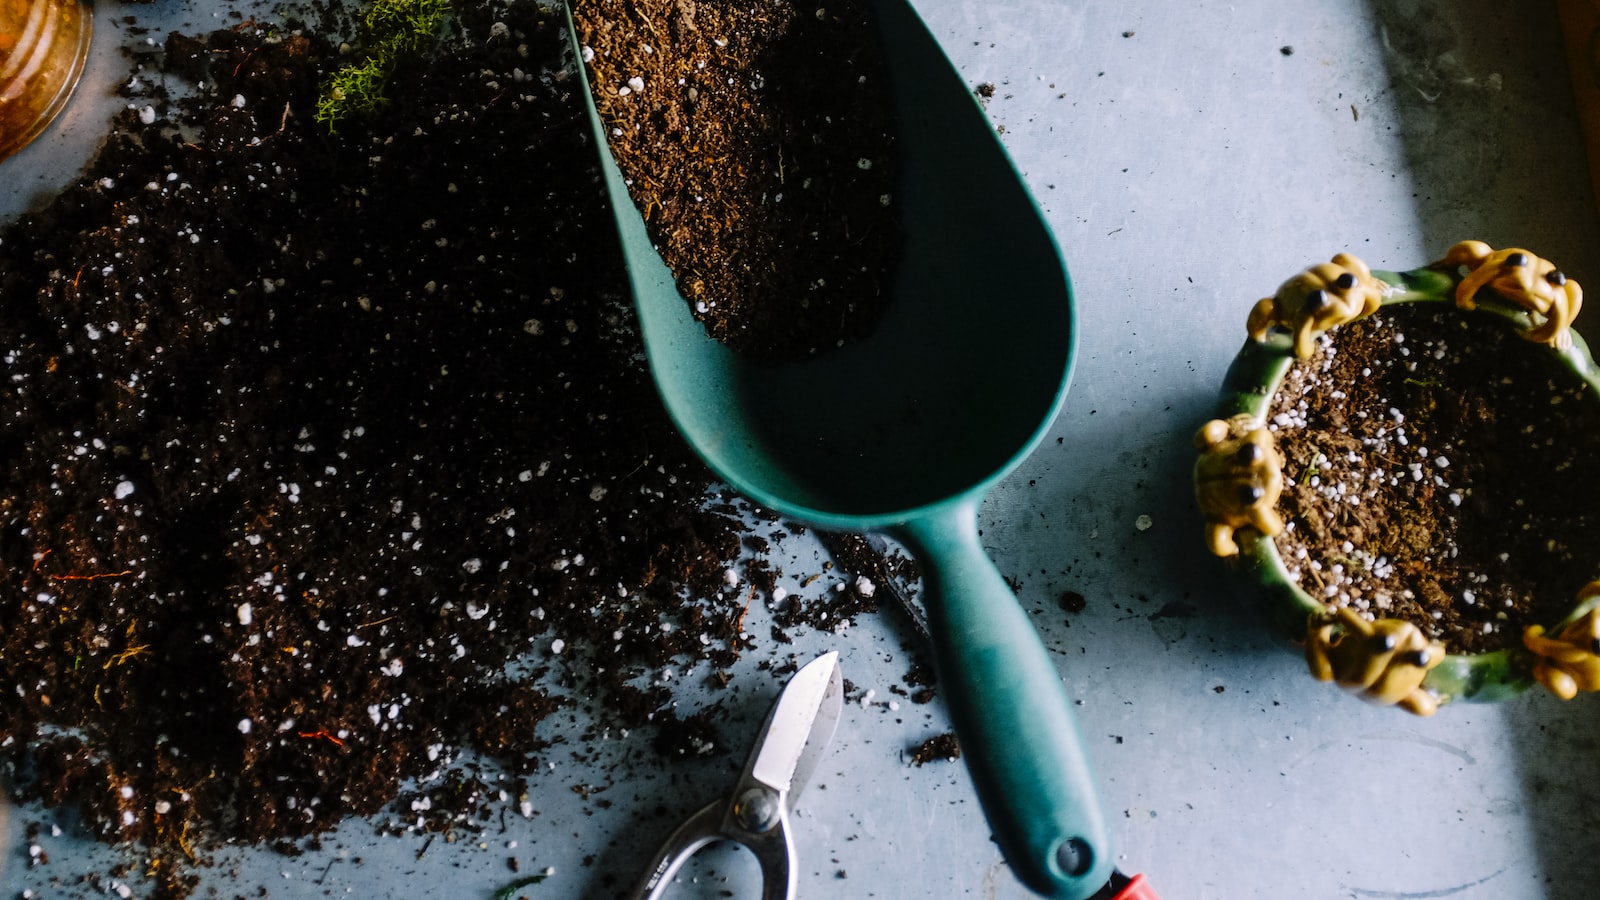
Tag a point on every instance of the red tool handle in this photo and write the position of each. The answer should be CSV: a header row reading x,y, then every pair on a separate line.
x,y
1136,889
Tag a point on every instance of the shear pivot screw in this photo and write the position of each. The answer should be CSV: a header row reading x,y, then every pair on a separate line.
x,y
756,810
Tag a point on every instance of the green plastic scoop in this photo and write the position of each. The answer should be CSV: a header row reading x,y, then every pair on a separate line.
x,y
905,431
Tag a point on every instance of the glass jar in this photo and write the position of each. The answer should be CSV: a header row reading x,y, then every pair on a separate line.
x,y
43,44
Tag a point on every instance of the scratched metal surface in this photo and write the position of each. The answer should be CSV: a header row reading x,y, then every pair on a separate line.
x,y
1188,161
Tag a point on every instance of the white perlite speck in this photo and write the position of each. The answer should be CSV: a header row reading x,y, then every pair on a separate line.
x,y
244,726
124,490
246,615
865,587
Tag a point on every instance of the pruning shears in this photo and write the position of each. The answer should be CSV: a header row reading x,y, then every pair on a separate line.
x,y
756,813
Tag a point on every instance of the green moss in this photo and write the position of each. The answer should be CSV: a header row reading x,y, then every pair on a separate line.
x,y
393,31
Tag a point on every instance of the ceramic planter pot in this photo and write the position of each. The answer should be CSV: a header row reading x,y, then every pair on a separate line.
x,y
1239,480
43,45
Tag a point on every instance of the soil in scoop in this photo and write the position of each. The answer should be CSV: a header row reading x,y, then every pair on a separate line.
x,y
308,434
758,142
1437,468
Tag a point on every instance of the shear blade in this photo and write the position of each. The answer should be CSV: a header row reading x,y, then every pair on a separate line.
x,y
800,726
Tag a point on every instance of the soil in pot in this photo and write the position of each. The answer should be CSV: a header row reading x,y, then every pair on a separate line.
x,y
1435,468
757,140
308,434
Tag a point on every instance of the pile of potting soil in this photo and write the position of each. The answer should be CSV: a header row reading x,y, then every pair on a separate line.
x,y
309,434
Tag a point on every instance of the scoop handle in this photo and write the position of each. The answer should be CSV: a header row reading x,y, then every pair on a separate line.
x,y
1012,716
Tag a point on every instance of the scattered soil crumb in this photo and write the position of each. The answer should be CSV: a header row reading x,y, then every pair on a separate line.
x,y
939,748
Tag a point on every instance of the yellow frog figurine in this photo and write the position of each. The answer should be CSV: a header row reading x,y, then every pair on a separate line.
x,y
1238,479
1322,297
1385,661
1532,283
1570,661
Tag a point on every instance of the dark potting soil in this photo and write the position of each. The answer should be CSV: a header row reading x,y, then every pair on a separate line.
x,y
940,747
1437,472
309,434
758,143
